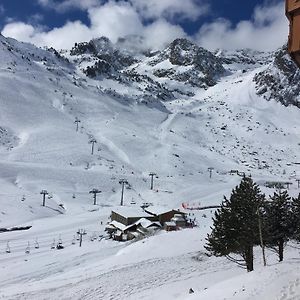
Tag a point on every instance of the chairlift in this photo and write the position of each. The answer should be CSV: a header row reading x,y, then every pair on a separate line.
x,y
53,244
59,245
27,250
7,248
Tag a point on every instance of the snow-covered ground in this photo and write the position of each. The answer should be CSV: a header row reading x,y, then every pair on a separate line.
x,y
164,266
227,127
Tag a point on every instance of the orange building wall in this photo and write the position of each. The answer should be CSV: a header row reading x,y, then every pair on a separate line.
x,y
292,5
293,14
295,33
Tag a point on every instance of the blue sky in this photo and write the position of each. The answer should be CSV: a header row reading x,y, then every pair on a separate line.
x,y
24,10
49,22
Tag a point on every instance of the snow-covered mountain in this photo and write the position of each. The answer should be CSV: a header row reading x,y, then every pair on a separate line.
x,y
176,112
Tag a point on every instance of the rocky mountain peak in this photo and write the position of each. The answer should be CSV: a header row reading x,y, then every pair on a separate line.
x,y
99,46
182,52
102,46
280,80
100,56
190,63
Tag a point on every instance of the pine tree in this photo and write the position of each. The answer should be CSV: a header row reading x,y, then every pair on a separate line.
x,y
235,225
295,207
278,222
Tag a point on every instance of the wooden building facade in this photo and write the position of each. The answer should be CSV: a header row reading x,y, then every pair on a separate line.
x,y
293,14
130,217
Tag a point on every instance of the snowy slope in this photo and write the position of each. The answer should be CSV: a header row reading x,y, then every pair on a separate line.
x,y
142,122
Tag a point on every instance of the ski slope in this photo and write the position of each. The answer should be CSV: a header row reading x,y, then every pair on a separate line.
x,y
227,127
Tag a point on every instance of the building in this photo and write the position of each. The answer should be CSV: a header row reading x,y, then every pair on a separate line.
x,y
129,215
164,215
293,14
129,223
113,227
179,220
170,226
139,229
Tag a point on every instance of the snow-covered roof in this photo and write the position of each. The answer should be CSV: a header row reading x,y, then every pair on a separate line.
x,y
146,223
118,233
109,226
178,217
143,222
131,212
170,223
158,210
117,225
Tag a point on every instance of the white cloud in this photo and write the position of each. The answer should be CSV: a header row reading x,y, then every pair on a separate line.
x,y
159,33
115,20
64,37
64,5
148,9
267,30
20,31
59,38
112,19
169,9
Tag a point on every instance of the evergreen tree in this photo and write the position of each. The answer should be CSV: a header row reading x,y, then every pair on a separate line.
x,y
235,224
278,222
295,207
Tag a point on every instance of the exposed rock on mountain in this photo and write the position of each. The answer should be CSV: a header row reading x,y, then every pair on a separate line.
x,y
247,57
188,63
280,80
104,57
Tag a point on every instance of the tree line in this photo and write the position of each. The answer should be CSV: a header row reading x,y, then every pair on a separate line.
x,y
248,219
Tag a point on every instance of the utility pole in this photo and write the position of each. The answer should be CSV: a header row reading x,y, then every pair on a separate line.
x,y
261,236
80,233
122,182
288,185
77,121
152,174
298,180
210,169
44,193
92,141
95,192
